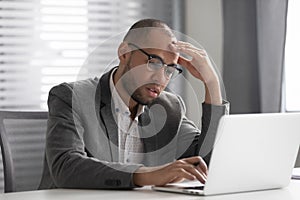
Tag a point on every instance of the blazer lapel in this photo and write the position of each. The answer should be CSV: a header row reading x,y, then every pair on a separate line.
x,y
158,127
106,118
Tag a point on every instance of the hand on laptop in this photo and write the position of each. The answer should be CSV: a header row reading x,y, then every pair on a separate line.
x,y
188,168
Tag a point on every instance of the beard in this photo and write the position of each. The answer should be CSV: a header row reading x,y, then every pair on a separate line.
x,y
135,92
137,97
133,88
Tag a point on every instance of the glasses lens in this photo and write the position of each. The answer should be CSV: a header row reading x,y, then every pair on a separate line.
x,y
154,64
170,71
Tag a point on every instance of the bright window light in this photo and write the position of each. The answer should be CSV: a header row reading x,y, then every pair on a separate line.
x,y
46,42
292,64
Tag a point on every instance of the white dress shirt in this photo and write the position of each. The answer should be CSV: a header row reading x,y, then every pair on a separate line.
x,y
130,144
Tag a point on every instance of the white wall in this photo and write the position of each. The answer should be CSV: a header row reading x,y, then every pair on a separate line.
x,y
203,23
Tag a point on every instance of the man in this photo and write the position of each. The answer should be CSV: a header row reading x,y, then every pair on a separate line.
x,y
123,130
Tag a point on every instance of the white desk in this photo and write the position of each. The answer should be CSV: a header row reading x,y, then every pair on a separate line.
x,y
290,193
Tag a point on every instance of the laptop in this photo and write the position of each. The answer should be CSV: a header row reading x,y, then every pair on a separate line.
x,y
251,152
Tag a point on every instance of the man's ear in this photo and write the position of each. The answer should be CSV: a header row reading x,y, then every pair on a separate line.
x,y
123,52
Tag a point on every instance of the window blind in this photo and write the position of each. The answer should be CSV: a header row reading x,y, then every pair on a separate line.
x,y
46,42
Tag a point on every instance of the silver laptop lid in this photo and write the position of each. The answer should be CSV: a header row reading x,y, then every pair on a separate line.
x,y
253,152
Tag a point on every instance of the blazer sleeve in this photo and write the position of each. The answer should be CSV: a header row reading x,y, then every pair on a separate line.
x,y
69,164
191,140
210,120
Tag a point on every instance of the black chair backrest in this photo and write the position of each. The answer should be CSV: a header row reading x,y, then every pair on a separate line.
x,y
22,140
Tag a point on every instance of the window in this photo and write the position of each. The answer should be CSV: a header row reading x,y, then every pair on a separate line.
x,y
292,64
46,42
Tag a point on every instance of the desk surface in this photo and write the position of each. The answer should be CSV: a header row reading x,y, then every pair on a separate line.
x,y
292,192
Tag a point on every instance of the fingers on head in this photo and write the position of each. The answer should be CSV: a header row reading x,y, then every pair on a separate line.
x,y
190,49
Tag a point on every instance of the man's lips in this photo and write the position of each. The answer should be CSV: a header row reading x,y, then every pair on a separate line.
x,y
153,91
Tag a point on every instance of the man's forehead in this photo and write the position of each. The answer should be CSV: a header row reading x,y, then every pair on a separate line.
x,y
158,39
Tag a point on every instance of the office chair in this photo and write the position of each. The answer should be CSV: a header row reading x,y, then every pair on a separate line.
x,y
22,140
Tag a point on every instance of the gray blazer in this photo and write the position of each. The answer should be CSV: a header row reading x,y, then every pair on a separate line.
x,y
82,136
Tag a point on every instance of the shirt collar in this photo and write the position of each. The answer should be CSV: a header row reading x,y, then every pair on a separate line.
x,y
119,105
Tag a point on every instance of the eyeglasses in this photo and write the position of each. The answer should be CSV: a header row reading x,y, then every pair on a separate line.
x,y
156,63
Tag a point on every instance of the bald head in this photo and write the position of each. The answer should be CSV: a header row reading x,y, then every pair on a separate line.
x,y
151,33
140,31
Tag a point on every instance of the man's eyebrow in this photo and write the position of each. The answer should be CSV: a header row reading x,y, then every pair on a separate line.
x,y
160,58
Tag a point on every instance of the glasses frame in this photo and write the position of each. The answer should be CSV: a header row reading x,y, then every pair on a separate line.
x,y
164,65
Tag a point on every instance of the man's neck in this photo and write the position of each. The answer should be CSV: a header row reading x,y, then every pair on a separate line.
x,y
130,103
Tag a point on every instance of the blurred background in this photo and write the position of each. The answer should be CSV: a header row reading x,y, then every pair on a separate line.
x,y
252,43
